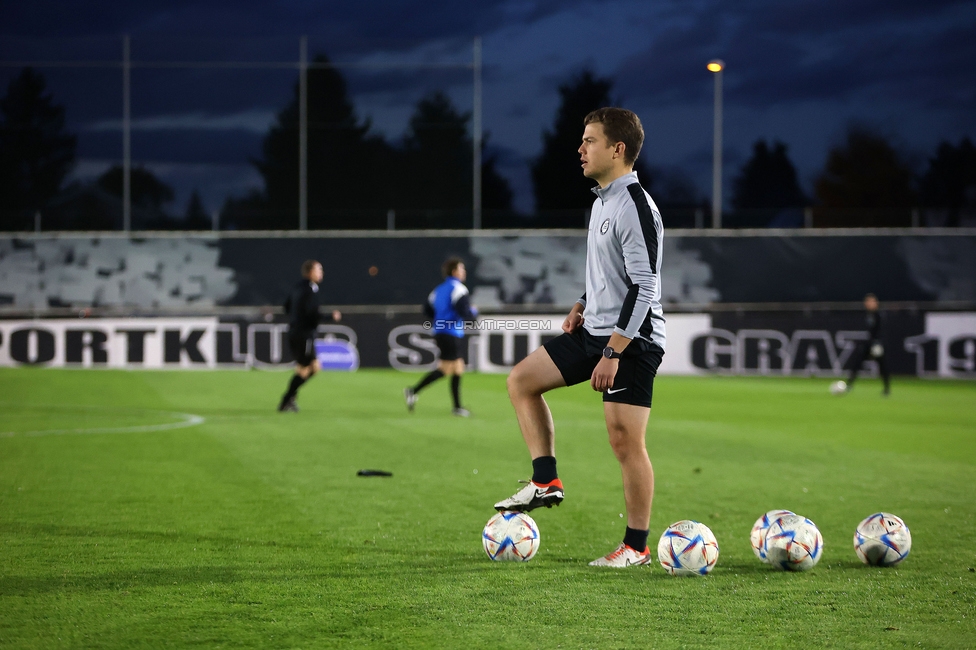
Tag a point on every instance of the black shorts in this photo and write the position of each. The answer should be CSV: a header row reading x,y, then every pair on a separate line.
x,y
451,347
577,354
302,346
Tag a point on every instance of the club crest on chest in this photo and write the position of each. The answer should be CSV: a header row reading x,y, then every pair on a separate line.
x,y
604,227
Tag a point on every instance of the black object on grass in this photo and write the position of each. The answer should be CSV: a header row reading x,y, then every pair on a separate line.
x,y
373,472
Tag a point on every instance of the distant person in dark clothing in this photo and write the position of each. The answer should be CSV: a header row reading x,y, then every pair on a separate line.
x,y
873,348
302,307
449,307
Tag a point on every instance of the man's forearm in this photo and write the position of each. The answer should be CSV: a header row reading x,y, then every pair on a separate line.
x,y
618,342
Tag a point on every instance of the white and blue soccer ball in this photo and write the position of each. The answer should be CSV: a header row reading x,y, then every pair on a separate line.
x,y
793,543
511,537
882,540
687,548
839,387
758,535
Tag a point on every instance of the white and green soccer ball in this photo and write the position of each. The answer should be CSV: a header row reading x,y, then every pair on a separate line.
x,y
882,540
838,387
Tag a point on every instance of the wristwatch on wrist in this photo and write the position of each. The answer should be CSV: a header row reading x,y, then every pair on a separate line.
x,y
610,353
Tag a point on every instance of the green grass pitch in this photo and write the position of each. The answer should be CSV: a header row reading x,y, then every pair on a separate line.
x,y
251,529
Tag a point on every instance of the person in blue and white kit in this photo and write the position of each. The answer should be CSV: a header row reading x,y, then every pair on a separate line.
x,y
613,336
449,307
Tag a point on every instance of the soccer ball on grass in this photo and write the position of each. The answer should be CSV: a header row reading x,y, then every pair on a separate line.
x,y
793,543
511,537
758,535
838,387
687,548
882,540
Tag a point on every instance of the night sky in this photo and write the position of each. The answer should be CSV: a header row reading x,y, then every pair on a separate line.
x,y
800,72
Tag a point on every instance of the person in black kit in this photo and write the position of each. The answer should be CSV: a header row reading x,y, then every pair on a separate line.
x,y
302,307
873,348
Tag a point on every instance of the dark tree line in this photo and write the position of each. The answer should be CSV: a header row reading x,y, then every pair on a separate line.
x,y
948,188
36,155
865,182
355,175
562,193
35,151
767,190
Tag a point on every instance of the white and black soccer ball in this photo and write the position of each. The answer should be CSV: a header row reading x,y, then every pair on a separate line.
x,y
793,543
687,548
758,535
511,537
839,387
882,540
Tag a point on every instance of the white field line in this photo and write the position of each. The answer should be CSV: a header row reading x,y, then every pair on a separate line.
x,y
188,420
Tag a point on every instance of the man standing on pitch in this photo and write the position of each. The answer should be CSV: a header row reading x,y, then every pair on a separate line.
x,y
449,306
873,348
302,307
613,336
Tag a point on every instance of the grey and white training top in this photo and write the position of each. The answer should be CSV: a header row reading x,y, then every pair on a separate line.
x,y
623,263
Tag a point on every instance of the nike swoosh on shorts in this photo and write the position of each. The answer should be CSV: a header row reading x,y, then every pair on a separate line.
x,y
610,391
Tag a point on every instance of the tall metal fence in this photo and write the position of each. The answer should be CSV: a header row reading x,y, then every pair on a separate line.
x,y
116,105
116,81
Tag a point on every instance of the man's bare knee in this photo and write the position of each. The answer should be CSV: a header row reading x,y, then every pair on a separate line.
x,y
624,442
622,447
514,382
520,382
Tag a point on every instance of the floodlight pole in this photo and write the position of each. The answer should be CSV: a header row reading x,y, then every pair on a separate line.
x,y
476,139
126,136
303,133
716,67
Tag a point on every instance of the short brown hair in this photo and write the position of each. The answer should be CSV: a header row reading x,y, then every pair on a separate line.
x,y
307,267
620,125
450,265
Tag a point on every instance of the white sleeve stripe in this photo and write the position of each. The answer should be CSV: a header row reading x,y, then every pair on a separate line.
x,y
458,291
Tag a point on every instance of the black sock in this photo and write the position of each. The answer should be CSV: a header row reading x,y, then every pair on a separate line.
x,y
544,469
456,390
636,539
296,382
429,378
